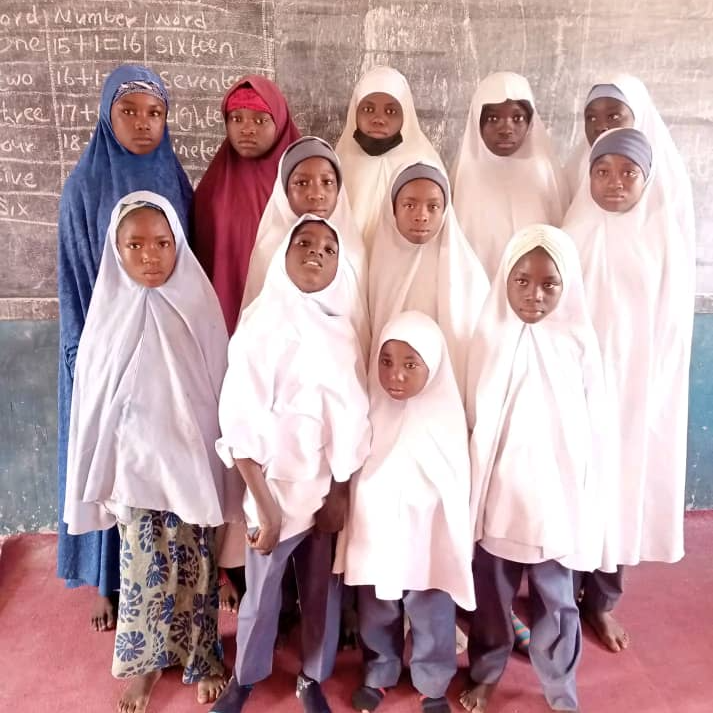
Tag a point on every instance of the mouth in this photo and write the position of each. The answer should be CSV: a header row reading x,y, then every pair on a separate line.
x,y
505,144
614,197
247,143
318,211
152,273
531,313
312,264
378,133
420,232
395,392
143,140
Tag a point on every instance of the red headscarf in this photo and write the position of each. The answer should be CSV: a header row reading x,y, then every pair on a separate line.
x,y
230,199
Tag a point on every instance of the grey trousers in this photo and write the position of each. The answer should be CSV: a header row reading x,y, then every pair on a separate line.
x,y
319,594
432,614
600,590
555,632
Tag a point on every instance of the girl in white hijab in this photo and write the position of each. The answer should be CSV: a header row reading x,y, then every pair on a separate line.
x,y
421,261
640,286
144,420
506,174
536,393
381,133
622,101
294,419
408,535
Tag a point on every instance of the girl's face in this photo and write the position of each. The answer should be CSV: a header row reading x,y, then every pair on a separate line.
x,y
312,187
616,183
312,257
146,246
251,133
503,127
379,115
606,113
402,372
138,121
418,210
534,286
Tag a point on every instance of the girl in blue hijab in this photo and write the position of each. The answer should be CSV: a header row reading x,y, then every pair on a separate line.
x,y
129,151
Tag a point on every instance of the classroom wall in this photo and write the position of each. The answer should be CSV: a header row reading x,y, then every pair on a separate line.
x,y
54,56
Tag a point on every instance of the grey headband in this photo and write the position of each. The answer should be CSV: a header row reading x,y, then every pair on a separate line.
x,y
420,170
301,150
609,91
140,87
624,142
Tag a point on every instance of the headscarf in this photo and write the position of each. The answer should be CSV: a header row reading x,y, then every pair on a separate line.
x,y
106,172
145,401
231,197
494,196
629,143
367,177
409,522
536,401
672,183
442,277
639,277
278,217
294,397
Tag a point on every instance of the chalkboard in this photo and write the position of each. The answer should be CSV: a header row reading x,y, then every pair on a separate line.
x,y
55,55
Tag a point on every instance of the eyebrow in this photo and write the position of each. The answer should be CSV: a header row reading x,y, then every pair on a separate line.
x,y
434,197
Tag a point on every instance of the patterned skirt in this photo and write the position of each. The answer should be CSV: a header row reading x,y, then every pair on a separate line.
x,y
168,601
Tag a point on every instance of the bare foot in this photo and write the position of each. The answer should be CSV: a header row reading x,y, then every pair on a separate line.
x,y
102,618
228,597
135,697
610,632
475,699
210,688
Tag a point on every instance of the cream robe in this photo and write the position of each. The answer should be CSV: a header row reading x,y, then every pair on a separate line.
x,y
638,276
145,400
294,396
409,522
536,399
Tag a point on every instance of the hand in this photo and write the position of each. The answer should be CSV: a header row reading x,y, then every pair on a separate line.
x,y
264,539
331,516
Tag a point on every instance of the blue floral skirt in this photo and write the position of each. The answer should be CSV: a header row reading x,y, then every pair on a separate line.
x,y
168,601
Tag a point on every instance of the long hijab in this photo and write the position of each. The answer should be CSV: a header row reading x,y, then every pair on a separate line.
x,y
145,402
230,200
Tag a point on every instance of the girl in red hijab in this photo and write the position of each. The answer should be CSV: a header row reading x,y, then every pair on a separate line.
x,y
232,194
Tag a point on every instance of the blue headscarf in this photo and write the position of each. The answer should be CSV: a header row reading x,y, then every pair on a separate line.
x,y
105,173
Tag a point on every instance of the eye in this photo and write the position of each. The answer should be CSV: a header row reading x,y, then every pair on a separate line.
x,y
328,181
391,111
491,118
590,118
411,365
518,118
128,112
520,281
615,117
134,246
330,251
631,173
601,172
367,109
434,207
300,182
301,242
156,112
384,361
165,243
550,285
408,205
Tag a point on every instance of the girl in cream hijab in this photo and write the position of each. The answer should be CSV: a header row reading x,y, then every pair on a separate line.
x,y
536,397
421,261
506,174
381,133
639,277
408,535
141,446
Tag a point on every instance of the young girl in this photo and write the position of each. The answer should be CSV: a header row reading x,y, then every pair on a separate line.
x,y
506,174
141,445
129,150
639,276
294,419
381,133
622,101
408,536
421,261
234,190
536,394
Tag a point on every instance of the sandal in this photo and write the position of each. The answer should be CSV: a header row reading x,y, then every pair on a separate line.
x,y
522,634
310,693
475,699
367,698
435,705
232,699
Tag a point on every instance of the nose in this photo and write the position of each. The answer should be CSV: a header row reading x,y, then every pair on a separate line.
x,y
615,180
378,118
421,214
142,122
397,375
149,254
505,128
315,194
247,128
535,293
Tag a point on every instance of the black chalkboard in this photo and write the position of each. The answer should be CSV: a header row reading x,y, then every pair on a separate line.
x,y
55,55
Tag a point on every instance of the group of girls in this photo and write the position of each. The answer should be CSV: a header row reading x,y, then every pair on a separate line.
x,y
432,387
